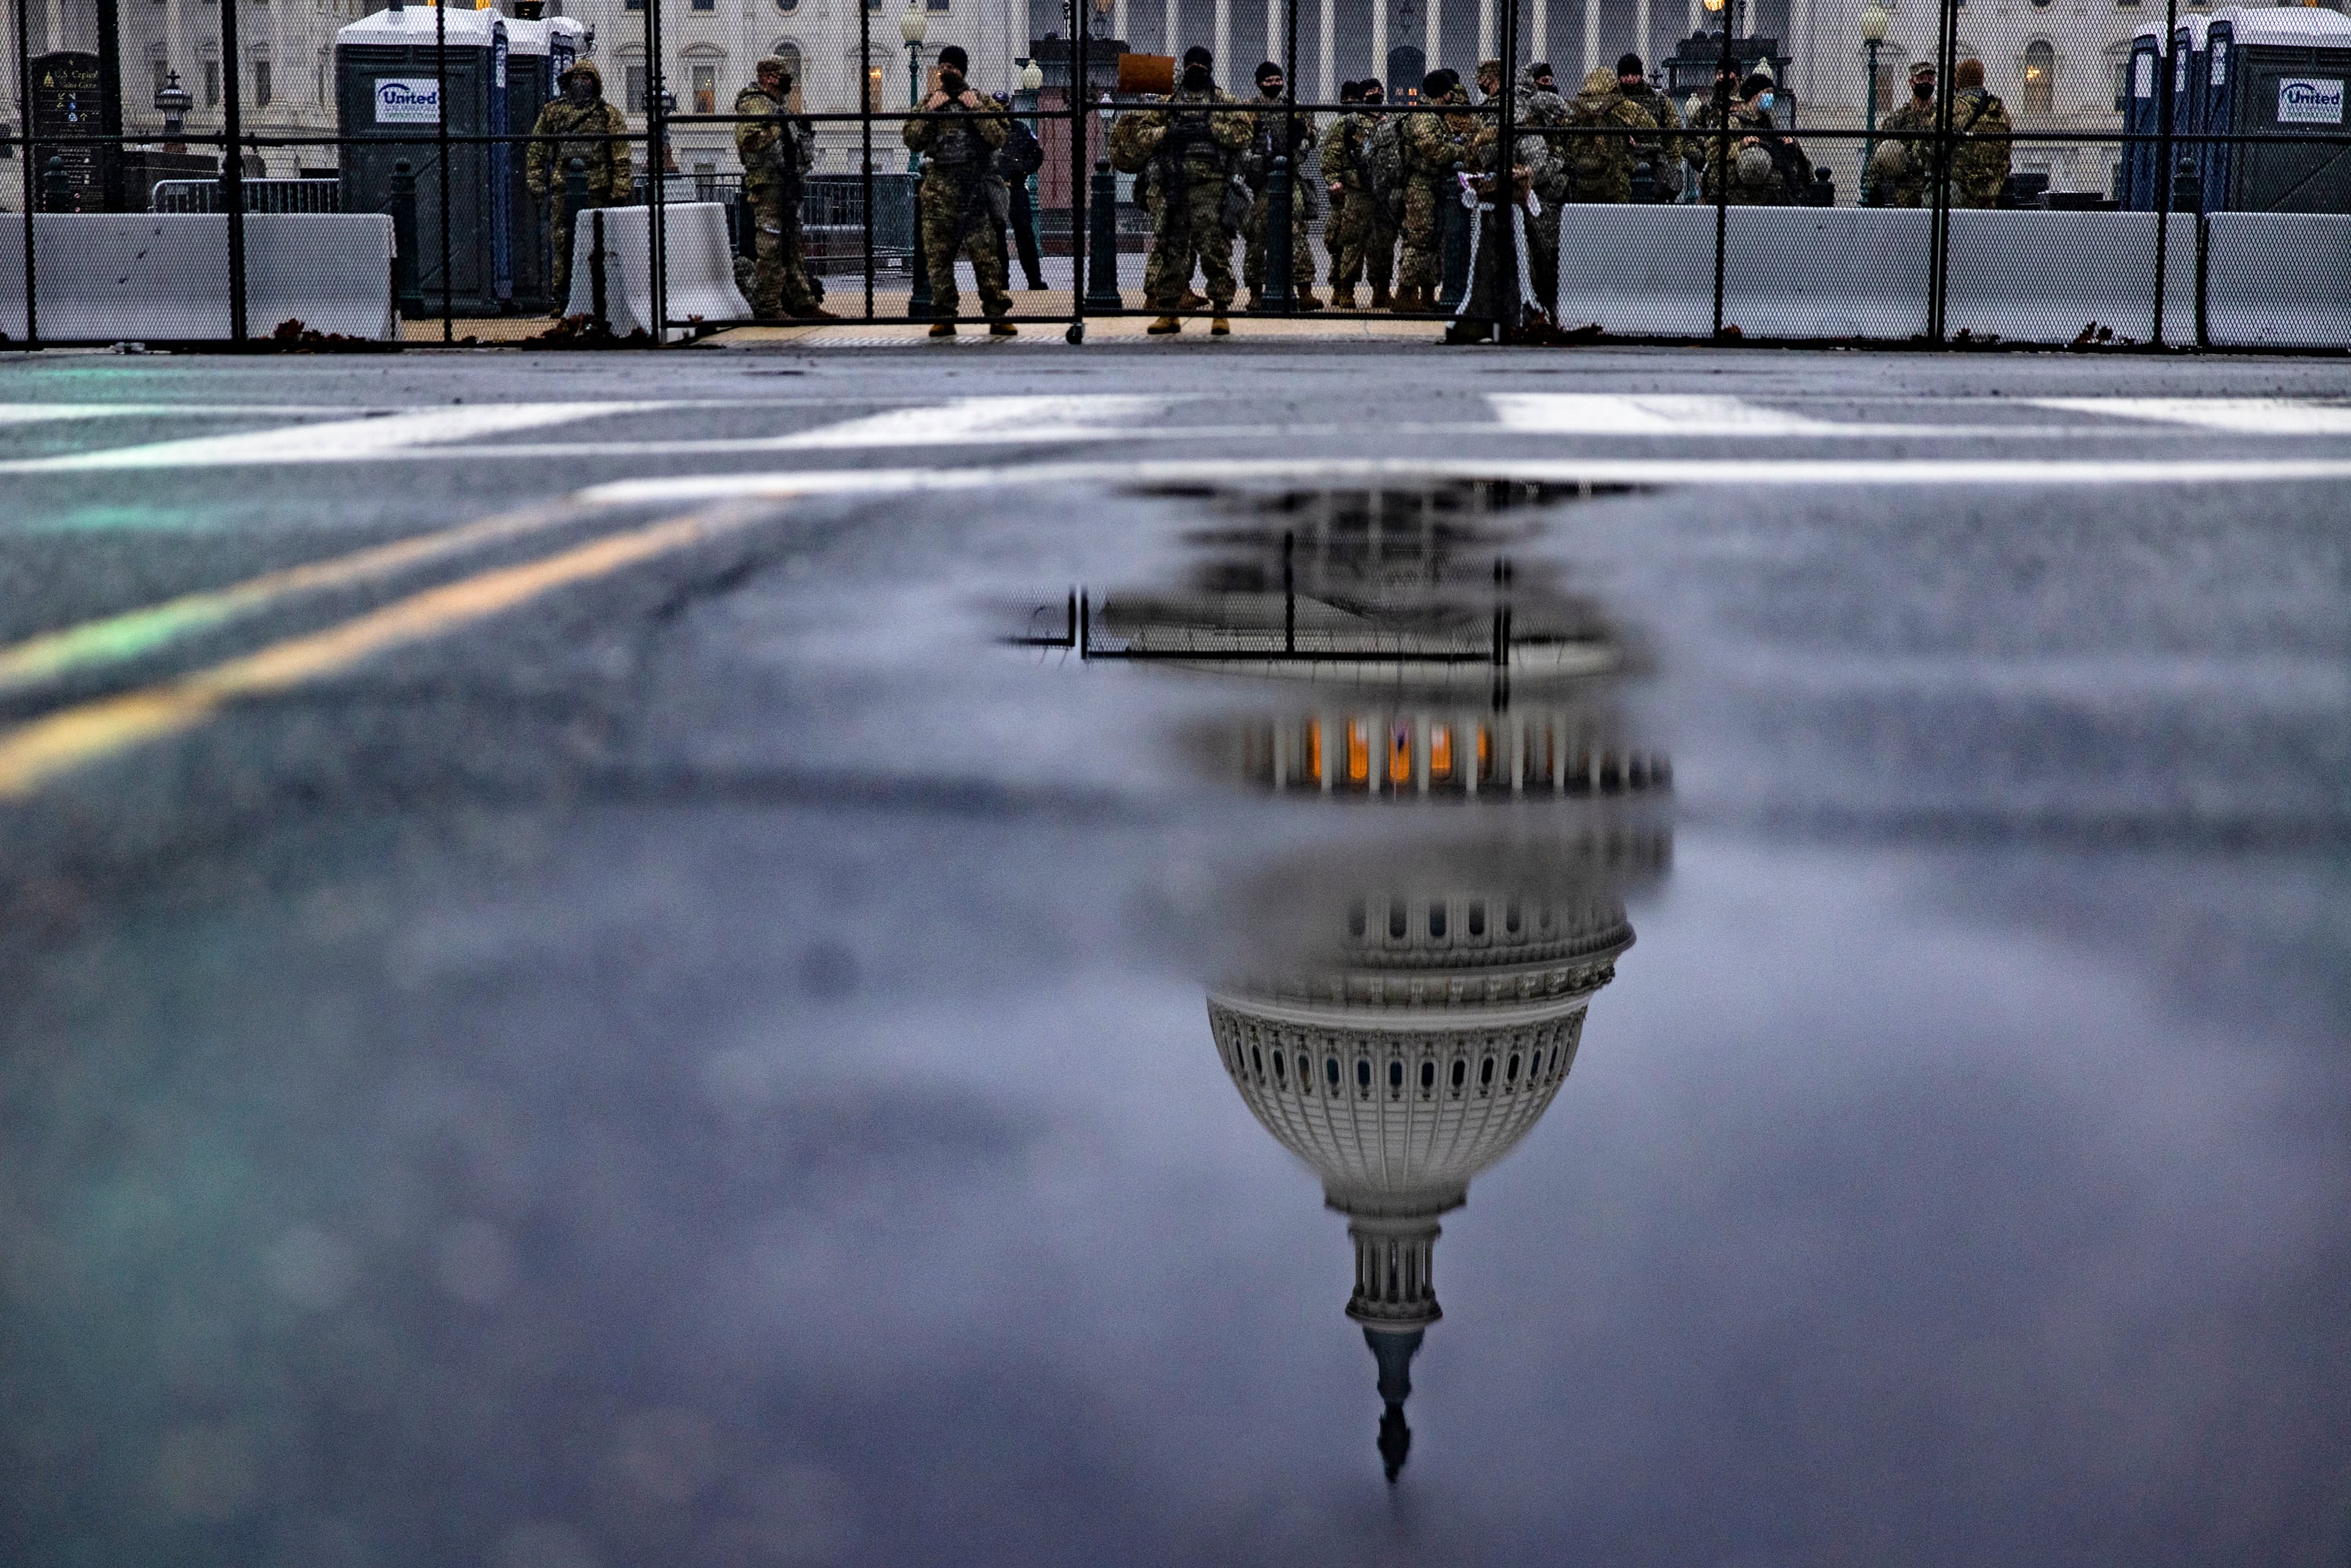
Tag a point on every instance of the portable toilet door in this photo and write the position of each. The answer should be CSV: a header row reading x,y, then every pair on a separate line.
x,y
2142,119
2186,94
2292,65
389,73
2220,112
530,81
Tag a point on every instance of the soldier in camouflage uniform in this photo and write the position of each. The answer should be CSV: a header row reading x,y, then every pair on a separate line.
x,y
777,150
1190,154
1663,154
1604,164
1899,169
1366,228
1265,145
1765,168
1978,163
578,124
1433,141
1550,176
958,210
1334,189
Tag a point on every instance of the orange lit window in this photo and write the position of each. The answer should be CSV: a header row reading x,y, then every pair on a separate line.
x,y
1359,751
1485,753
1399,752
1440,751
1315,752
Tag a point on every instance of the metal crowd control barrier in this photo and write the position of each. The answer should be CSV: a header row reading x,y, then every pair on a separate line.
x,y
2219,153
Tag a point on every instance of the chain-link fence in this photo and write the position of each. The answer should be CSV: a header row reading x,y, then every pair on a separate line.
x,y
2074,171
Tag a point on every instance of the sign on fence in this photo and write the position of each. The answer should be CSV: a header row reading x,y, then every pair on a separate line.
x,y
2303,101
407,100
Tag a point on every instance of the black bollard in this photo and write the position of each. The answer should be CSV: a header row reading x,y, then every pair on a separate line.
x,y
407,284
1455,220
57,191
2187,187
1278,197
1644,183
1102,241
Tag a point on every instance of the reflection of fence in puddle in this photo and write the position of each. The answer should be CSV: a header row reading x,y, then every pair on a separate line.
x,y
1552,750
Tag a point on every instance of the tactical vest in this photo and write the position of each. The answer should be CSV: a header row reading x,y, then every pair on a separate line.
x,y
955,145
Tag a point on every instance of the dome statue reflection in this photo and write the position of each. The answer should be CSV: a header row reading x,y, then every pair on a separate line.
x,y
1400,1042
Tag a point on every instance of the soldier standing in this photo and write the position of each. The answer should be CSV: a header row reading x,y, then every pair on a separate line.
x,y
1188,151
1603,163
1334,189
1979,161
961,215
1551,176
1432,141
1898,168
1662,154
1020,156
1368,221
777,149
1266,143
579,124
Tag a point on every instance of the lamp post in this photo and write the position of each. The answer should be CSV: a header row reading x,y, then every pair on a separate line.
x,y
912,27
172,103
1872,35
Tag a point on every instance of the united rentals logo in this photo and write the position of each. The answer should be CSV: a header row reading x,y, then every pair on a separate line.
x,y
2303,101
407,100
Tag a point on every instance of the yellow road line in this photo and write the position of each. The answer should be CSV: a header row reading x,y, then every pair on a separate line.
x,y
38,752
113,639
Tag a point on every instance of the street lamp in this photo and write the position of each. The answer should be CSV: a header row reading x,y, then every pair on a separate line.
x,y
1872,35
1032,82
172,103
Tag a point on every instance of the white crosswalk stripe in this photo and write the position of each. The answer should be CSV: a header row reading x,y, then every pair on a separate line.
x,y
971,420
328,441
1647,414
2245,415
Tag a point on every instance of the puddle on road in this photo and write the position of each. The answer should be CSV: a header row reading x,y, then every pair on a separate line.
x,y
1381,1128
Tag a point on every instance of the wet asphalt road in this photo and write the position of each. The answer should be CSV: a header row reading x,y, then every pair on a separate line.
x,y
645,1033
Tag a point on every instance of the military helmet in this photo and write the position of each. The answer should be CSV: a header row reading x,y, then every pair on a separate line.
x,y
581,68
782,67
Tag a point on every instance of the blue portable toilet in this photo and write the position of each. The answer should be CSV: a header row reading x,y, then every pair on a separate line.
x,y
2288,69
538,54
390,69
2142,117
2219,109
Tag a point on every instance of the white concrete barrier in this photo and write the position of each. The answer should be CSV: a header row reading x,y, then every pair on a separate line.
x,y
163,276
2278,278
699,275
2043,277
1788,272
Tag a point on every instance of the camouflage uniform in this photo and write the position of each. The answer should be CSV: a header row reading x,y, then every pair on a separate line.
x,y
566,130
1433,143
1190,152
776,151
1366,229
1550,176
1979,164
1265,145
1766,186
954,202
1908,189
1604,164
1661,153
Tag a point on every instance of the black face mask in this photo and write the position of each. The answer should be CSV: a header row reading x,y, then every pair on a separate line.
x,y
1922,90
1269,90
951,83
1195,78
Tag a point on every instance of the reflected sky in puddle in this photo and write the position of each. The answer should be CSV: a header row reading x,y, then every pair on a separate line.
x,y
965,1177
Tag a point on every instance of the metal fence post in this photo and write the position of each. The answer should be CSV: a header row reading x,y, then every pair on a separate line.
x,y
441,161
409,285
1074,101
1101,270
25,175
1720,99
233,163
598,305
657,100
1509,292
865,97
2167,107
1939,230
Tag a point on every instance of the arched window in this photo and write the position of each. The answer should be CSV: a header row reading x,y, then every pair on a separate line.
x,y
1461,1070
1331,1071
1486,1073
1395,1075
2040,77
1437,920
1363,1073
790,53
1427,1076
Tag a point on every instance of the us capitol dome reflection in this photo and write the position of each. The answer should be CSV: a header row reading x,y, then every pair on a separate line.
x,y
1409,1013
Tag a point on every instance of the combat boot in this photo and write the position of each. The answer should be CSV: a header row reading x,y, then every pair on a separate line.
x,y
1220,328
1002,329
942,329
1191,301
1380,301
1165,324
1342,297
1306,300
1256,302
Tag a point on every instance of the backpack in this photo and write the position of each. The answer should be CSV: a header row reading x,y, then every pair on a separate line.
x,y
1022,154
